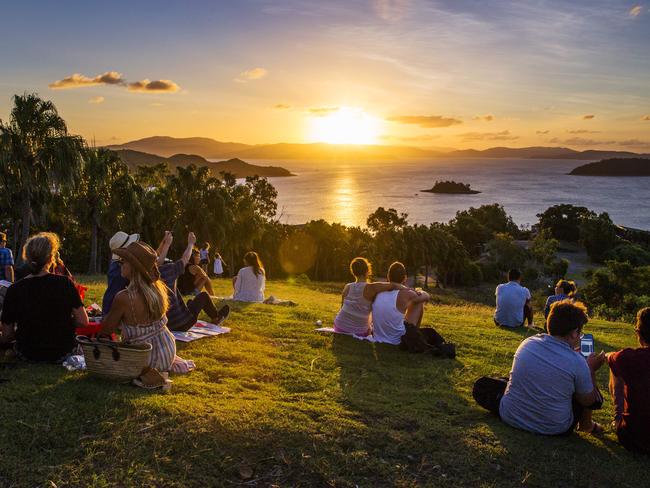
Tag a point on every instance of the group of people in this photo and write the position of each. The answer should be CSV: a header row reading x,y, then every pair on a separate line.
x,y
552,387
388,311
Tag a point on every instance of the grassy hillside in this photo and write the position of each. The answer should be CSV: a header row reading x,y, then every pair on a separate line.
x,y
275,403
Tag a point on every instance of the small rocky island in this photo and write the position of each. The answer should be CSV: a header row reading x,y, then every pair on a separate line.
x,y
451,187
615,167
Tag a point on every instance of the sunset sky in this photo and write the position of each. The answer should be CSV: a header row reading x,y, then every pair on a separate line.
x,y
457,73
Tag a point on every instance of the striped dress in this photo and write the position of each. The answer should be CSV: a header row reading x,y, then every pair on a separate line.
x,y
156,333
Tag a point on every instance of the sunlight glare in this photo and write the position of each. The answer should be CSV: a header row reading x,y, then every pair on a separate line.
x,y
347,125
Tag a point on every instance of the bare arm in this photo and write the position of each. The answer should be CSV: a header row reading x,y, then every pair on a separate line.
x,y
163,247
191,240
617,390
112,321
595,361
344,293
371,290
420,297
80,316
9,273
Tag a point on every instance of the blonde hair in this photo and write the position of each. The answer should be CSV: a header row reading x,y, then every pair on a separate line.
x,y
153,293
39,250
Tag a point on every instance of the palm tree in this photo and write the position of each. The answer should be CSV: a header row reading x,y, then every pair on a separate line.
x,y
37,155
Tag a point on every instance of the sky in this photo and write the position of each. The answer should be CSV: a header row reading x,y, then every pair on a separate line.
x,y
443,74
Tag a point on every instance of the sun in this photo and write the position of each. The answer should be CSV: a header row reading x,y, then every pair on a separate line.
x,y
345,125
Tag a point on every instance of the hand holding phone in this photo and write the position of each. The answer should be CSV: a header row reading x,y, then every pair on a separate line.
x,y
587,345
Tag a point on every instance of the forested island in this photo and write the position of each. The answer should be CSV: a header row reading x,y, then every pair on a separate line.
x,y
451,187
615,167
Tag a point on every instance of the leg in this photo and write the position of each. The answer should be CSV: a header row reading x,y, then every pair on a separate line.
x,y
202,302
488,392
528,313
201,280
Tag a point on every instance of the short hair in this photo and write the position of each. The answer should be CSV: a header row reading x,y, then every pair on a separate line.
x,y
360,267
642,325
514,274
566,316
568,287
39,250
396,272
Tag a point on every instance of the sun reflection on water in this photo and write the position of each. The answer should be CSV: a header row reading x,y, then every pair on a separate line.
x,y
342,200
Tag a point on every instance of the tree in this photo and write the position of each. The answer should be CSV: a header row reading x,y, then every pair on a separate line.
x,y
37,155
564,220
598,236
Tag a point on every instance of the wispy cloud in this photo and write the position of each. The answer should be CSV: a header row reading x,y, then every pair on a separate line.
x,y
588,117
486,118
322,111
77,80
96,100
636,11
427,121
542,132
115,78
155,86
503,135
583,131
391,10
645,117
251,75
282,106
634,142
581,141
420,138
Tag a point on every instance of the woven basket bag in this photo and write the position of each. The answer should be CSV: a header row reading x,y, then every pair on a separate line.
x,y
114,360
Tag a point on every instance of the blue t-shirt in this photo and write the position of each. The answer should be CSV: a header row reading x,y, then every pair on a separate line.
x,y
545,375
511,298
116,283
6,259
551,300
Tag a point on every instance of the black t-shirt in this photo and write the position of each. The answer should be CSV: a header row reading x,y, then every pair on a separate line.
x,y
41,307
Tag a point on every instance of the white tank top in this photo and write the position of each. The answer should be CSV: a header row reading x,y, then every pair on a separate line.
x,y
387,321
354,316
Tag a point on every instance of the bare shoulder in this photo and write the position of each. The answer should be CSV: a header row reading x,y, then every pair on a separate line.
x,y
121,299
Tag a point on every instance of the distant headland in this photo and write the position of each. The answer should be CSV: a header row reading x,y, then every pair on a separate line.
x,y
235,166
615,167
451,187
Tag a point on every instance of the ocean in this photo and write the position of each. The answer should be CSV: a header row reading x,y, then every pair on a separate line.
x,y
347,192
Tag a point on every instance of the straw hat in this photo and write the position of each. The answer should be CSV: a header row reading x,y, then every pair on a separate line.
x,y
122,239
142,257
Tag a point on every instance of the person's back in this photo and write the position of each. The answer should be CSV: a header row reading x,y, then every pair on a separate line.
x,y
354,316
46,332
511,299
249,286
6,264
387,319
545,374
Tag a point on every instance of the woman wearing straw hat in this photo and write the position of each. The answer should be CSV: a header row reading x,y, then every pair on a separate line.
x,y
140,310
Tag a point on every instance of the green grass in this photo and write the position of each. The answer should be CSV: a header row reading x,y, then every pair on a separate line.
x,y
275,403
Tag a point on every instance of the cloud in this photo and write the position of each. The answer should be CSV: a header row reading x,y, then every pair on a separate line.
x,y
588,117
487,118
634,142
504,135
282,106
636,10
580,141
251,74
391,10
77,80
96,100
155,86
322,111
583,131
420,138
542,132
645,117
427,121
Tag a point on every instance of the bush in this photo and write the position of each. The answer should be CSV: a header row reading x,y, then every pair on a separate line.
x,y
630,253
598,236
471,275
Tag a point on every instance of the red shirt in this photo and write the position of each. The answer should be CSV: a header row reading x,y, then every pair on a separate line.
x,y
633,367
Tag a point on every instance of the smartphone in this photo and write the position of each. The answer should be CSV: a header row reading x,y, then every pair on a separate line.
x,y
586,344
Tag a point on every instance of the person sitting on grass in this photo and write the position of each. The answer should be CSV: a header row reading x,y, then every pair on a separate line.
x,y
204,255
563,290
194,280
357,298
140,310
250,281
183,316
513,303
6,260
552,387
397,315
42,311
116,282
629,385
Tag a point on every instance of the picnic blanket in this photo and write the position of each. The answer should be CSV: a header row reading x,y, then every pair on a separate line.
x,y
200,330
330,330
